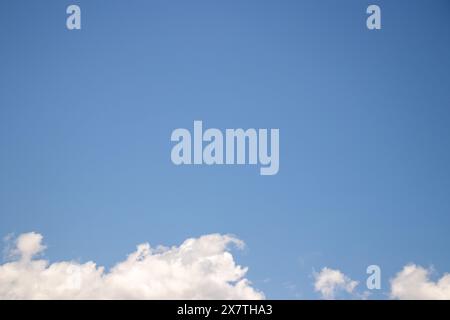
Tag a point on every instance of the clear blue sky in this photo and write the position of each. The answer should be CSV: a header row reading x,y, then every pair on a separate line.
x,y
86,118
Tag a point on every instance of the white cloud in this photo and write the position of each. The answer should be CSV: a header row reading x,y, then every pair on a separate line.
x,y
413,282
28,245
328,282
200,268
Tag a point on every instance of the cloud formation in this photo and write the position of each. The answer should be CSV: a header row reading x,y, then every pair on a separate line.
x,y
28,245
413,282
200,268
328,282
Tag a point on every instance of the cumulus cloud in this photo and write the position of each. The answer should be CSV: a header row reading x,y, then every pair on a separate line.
x,y
413,282
28,245
328,282
200,268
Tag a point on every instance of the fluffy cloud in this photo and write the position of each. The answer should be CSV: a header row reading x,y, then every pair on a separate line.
x,y
200,268
413,282
28,245
328,282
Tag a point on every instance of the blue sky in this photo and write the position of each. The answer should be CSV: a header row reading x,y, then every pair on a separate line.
x,y
86,118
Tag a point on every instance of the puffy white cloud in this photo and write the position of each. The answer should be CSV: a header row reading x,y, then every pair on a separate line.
x,y
28,245
200,268
328,282
413,282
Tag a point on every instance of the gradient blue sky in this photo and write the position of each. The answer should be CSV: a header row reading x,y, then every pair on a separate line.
x,y
86,118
